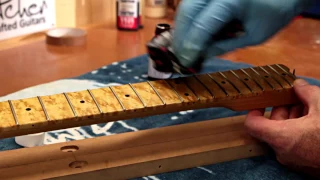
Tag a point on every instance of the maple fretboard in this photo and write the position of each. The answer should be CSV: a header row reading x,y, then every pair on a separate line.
x,y
240,89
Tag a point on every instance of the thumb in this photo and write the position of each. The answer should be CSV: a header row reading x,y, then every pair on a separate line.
x,y
258,126
307,93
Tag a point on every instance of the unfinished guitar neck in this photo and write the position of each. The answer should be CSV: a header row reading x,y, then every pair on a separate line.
x,y
241,89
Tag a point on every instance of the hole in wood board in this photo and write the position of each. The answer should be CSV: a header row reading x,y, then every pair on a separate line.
x,y
69,148
246,79
266,76
223,82
159,166
284,74
127,95
250,150
82,101
28,109
186,94
78,164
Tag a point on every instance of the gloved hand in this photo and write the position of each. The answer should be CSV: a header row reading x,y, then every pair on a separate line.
x,y
198,20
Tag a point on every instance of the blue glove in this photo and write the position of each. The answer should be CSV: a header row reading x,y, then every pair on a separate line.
x,y
198,21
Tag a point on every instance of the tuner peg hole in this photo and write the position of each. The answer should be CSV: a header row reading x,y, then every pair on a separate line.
x,y
127,95
28,109
82,101
223,82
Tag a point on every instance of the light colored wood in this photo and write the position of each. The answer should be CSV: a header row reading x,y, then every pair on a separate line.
x,y
119,156
92,107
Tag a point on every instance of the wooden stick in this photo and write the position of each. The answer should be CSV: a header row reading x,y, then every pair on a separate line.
x,y
135,154
242,89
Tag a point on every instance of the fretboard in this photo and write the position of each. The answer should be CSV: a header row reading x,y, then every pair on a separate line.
x,y
240,89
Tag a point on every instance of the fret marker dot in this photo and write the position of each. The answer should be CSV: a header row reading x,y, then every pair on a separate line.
x,y
186,94
266,76
246,79
127,95
82,101
283,74
28,109
223,82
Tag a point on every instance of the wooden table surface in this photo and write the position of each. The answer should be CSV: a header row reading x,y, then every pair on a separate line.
x,y
28,61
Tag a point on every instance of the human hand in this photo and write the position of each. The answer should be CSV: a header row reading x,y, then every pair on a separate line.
x,y
292,132
198,21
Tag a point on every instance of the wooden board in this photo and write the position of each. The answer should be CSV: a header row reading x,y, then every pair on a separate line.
x,y
135,154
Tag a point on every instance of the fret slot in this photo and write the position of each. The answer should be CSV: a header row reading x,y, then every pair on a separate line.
x,y
238,82
8,120
128,97
166,92
95,101
266,79
118,99
57,107
279,75
186,94
154,89
285,72
217,91
107,101
83,104
200,88
249,77
135,91
70,104
43,108
148,95
29,113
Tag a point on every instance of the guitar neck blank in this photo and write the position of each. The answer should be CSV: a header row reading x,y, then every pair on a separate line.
x,y
241,89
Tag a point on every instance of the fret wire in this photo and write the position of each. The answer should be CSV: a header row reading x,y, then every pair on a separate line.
x,y
280,75
204,86
241,81
114,93
13,112
218,84
262,78
43,108
175,91
198,98
288,73
252,79
225,77
271,76
95,101
144,105
71,106
154,89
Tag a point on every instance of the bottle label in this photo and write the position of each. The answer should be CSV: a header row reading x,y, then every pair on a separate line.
x,y
128,14
156,3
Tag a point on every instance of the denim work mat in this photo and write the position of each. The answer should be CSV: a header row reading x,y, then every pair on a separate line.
x,y
135,70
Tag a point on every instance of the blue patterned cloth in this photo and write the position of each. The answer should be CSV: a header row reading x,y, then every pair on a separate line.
x,y
135,70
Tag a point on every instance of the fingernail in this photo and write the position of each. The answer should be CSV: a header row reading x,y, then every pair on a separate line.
x,y
300,82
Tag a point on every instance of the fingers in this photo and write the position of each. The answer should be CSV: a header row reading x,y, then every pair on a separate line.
x,y
205,24
308,94
280,113
296,111
262,128
186,12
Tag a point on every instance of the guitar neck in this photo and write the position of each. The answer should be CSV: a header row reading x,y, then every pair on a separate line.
x,y
241,89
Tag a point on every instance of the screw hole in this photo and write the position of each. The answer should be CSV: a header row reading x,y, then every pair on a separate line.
x,y
127,95
223,82
69,148
82,101
266,76
186,94
246,79
28,109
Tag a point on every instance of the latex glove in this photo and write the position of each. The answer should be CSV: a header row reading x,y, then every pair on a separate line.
x,y
293,132
198,20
